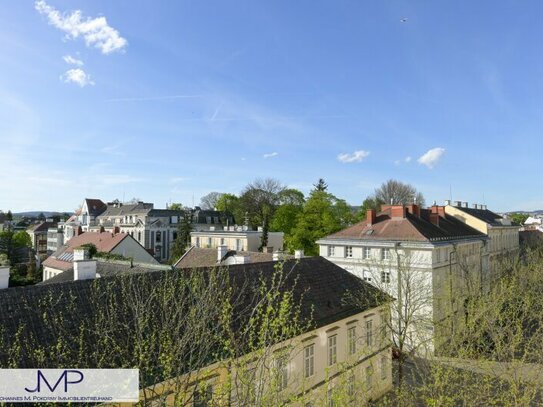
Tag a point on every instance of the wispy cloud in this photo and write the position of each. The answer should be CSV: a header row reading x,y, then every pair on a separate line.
x,y
77,76
154,98
177,180
95,31
355,157
270,155
72,61
406,160
431,157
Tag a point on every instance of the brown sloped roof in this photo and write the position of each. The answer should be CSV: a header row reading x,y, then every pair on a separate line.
x,y
95,206
409,228
41,227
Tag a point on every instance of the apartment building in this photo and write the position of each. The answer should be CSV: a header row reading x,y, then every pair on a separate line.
x,y
238,238
424,249
343,358
503,235
38,236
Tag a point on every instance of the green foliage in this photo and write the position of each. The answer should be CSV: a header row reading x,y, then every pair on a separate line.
x,y
369,203
260,199
22,239
175,206
182,242
321,185
91,248
519,218
322,215
110,256
9,215
13,244
230,203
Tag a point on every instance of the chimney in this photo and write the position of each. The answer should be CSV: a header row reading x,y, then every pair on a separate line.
x,y
397,211
475,206
4,277
434,218
278,256
458,204
241,259
464,204
221,252
447,202
298,254
371,216
84,269
81,253
267,249
484,207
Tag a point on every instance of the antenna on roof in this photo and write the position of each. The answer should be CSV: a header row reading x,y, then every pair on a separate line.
x,y
450,192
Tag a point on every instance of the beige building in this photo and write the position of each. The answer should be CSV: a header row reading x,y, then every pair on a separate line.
x,y
503,235
238,238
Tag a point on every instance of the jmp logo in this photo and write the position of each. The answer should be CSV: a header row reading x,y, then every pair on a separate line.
x,y
66,377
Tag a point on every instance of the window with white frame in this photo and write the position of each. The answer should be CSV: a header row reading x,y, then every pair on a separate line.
x,y
385,277
332,350
351,339
366,275
366,253
331,251
309,360
384,367
385,254
281,365
369,377
348,251
351,386
369,333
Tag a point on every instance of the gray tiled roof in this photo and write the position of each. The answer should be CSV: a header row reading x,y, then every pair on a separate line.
x,y
28,312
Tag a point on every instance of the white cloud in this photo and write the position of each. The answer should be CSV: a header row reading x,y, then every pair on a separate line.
x,y
270,155
356,156
77,76
407,159
72,61
431,157
95,31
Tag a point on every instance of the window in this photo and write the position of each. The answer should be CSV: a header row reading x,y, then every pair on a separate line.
x,y
158,236
282,372
331,402
384,367
366,275
351,386
209,241
332,350
174,235
385,277
239,246
348,251
139,236
383,328
309,360
331,251
351,338
369,377
203,395
366,253
369,333
385,254
197,242
222,241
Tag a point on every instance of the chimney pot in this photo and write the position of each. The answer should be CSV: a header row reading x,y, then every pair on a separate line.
x,y
371,216
84,270
298,254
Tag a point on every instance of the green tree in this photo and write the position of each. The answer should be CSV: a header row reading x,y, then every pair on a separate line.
x,y
9,216
41,217
322,215
260,198
182,241
230,204
13,243
321,185
176,206
210,200
369,203
519,218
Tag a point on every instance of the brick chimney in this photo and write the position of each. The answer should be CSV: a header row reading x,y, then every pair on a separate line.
x,y
371,216
435,213
397,211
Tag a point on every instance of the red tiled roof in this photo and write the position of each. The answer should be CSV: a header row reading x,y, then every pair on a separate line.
x,y
104,241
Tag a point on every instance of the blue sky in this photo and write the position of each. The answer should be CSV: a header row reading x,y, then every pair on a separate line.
x,y
187,97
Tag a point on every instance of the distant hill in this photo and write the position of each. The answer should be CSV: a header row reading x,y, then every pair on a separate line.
x,y
34,214
536,212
